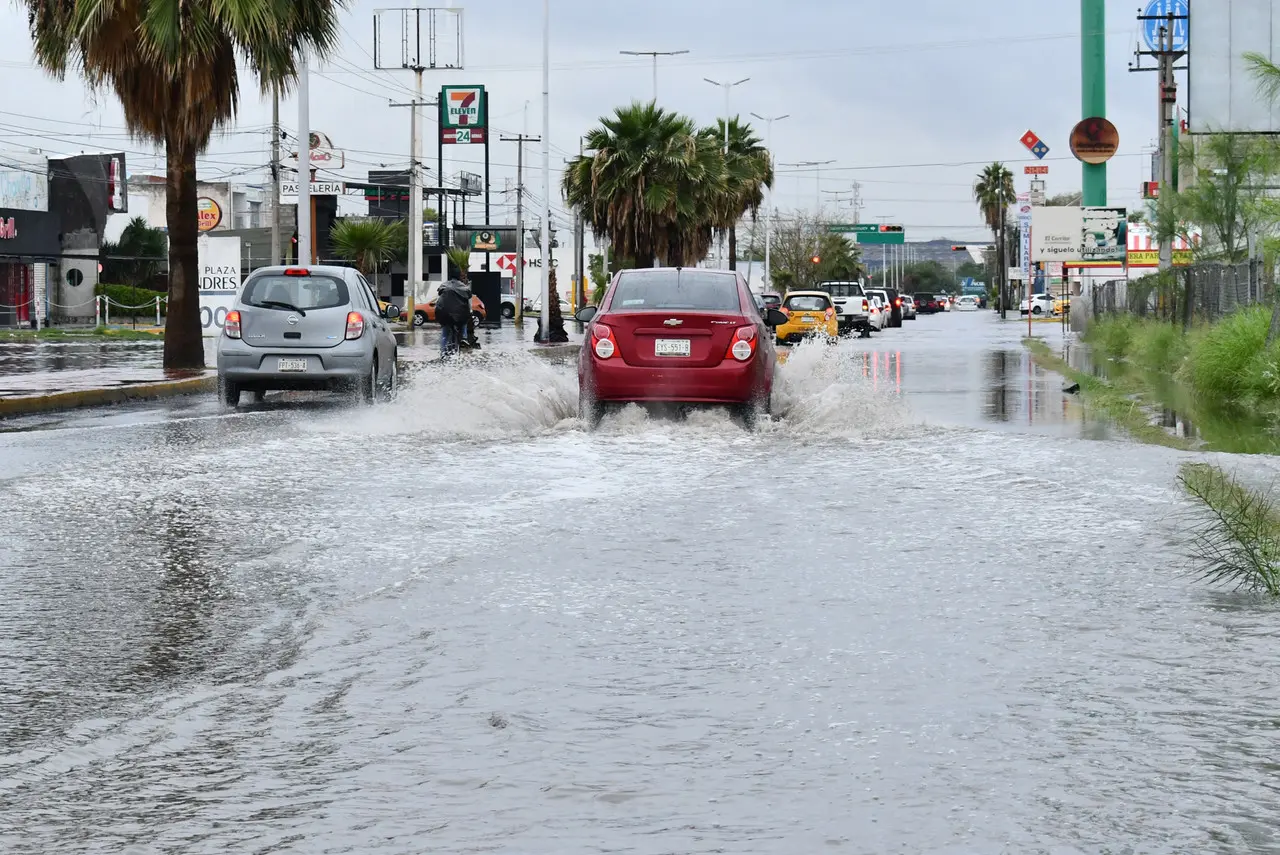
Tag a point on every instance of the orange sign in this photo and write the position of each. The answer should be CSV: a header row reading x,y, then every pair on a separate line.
x,y
208,214
1094,140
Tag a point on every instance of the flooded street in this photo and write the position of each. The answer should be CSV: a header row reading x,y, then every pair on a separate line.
x,y
932,607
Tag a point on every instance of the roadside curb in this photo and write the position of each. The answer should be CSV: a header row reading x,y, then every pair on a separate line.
x,y
27,404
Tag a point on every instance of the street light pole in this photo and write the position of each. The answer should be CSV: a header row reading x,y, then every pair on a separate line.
x,y
768,217
655,54
724,259
546,171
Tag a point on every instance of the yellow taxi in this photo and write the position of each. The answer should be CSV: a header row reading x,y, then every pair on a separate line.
x,y
808,313
1062,305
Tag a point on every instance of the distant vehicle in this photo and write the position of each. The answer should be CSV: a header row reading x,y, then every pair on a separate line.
x,y
882,312
895,306
682,336
1037,304
771,300
944,302
809,313
926,304
1062,306
306,328
967,303
426,313
849,299
908,307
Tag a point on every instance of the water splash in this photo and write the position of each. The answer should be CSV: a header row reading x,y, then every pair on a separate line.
x,y
833,390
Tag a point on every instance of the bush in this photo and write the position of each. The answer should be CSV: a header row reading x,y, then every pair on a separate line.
x,y
130,302
1159,346
1222,360
1113,335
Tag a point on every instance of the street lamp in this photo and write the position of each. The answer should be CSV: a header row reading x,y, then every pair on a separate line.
x,y
727,87
655,54
768,220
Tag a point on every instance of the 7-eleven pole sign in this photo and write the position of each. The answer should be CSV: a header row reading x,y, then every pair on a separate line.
x,y
463,114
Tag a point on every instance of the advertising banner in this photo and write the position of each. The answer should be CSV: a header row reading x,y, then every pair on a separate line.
x,y
1104,237
1056,234
219,261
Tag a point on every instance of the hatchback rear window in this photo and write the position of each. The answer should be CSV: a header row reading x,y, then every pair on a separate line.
x,y
808,303
299,292
773,301
670,290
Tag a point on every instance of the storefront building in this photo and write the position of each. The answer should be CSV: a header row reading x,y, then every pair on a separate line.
x,y
29,241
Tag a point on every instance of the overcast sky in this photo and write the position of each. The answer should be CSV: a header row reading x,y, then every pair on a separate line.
x,y
909,99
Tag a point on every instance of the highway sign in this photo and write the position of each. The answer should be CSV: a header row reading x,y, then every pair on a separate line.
x,y
1151,26
853,228
870,232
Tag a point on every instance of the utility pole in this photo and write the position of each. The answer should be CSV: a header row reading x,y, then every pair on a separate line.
x,y
304,163
275,176
1167,55
768,217
729,263
655,54
580,245
546,171
520,139
413,279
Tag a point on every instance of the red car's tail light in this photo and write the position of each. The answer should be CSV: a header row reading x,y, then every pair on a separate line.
x,y
231,326
603,344
355,325
743,346
297,271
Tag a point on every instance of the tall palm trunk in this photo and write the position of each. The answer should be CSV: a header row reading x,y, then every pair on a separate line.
x,y
183,342
733,247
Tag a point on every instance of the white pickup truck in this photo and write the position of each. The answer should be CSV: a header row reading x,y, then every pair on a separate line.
x,y
852,311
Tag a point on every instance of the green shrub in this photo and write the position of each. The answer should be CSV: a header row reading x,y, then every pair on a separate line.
x,y
1160,346
124,297
1221,362
1235,533
1112,335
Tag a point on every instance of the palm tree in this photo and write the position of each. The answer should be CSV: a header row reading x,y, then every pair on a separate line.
x,y
367,242
173,67
994,193
461,259
649,184
748,171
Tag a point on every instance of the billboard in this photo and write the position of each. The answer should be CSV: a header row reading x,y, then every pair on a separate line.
x,y
1079,235
1222,93
219,261
463,107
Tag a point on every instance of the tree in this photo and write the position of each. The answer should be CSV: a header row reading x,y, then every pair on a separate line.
x,y
367,242
136,258
650,184
461,259
994,193
931,277
173,67
748,172
599,280
798,239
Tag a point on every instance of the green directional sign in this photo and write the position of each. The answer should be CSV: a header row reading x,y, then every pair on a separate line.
x,y
870,233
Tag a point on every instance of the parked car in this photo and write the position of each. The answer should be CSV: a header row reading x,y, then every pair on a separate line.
x,y
809,313
908,307
882,312
967,303
1062,306
852,308
895,306
673,335
426,313
927,304
1037,304
306,328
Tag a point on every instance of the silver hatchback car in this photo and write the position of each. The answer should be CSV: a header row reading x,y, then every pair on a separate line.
x,y
306,328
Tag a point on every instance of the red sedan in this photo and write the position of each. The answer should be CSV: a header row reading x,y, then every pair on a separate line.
x,y
677,336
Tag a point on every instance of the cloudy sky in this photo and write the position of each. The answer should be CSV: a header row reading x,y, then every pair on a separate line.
x,y
908,99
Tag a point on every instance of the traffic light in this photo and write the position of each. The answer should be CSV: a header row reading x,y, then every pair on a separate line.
x,y
817,259
960,248
885,228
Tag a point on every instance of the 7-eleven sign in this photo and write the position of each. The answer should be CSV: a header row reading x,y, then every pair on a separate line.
x,y
462,107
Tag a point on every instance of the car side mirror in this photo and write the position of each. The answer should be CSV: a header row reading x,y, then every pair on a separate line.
x,y
393,313
775,318
585,314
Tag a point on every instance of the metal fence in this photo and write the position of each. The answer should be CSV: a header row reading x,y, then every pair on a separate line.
x,y
1215,290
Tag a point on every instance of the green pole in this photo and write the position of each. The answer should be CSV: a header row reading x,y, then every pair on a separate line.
x,y
1093,89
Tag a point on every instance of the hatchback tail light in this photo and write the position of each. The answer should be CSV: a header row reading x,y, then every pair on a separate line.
x,y
231,326
603,344
831,313
898,301
743,346
355,325
297,271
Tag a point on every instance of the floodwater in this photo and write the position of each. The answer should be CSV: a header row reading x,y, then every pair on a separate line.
x,y
929,608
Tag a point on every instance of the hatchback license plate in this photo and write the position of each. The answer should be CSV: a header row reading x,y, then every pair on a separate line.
x,y
291,365
671,347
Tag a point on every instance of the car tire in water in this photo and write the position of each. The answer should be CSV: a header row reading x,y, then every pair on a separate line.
x,y
419,318
367,386
508,311
391,384
590,410
477,318
228,393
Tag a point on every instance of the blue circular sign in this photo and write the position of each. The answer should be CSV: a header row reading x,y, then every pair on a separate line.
x,y
1151,28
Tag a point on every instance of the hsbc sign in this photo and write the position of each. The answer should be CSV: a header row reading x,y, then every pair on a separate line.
x,y
8,228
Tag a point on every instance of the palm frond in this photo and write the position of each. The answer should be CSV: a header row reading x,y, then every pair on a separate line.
x,y
1234,530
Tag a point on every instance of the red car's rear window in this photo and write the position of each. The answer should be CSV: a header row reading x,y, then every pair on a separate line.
x,y
671,290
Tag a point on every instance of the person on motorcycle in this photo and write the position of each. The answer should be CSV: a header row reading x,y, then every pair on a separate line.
x,y
453,312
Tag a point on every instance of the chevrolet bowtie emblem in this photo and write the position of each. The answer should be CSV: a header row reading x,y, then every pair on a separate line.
x,y
673,322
